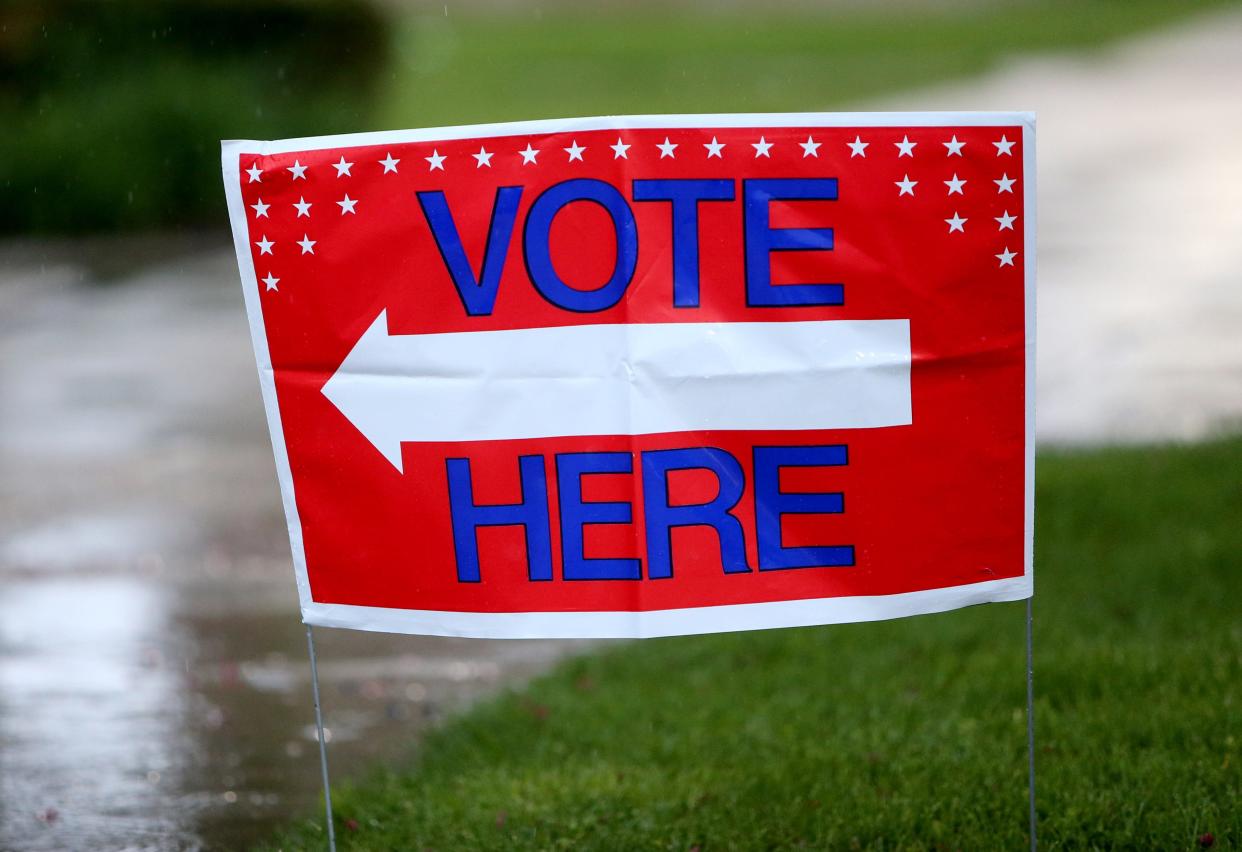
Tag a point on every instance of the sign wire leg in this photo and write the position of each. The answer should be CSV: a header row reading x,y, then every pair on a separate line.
x,y
323,746
1030,721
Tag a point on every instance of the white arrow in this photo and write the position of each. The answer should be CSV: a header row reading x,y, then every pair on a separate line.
x,y
622,380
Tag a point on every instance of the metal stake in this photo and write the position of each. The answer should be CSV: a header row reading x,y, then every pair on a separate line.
x,y
323,747
1030,721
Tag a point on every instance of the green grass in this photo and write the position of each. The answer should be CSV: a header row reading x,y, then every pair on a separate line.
x,y
907,734
903,734
563,61
110,113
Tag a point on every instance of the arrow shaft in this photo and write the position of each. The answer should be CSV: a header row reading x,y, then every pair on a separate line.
x,y
633,379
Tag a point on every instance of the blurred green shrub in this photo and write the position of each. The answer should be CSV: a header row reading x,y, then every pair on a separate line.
x,y
111,111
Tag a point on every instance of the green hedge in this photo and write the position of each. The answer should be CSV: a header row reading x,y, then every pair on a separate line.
x,y
111,112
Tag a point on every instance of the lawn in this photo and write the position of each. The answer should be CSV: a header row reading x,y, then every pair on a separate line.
x,y
906,734
533,61
902,734
88,88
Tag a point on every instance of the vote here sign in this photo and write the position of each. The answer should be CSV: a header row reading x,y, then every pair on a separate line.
x,y
647,375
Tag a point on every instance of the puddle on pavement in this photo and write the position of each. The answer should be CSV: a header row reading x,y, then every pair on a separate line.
x,y
145,715
154,683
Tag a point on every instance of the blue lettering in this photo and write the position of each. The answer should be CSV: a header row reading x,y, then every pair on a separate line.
x,y
576,514
771,503
685,196
539,257
661,517
477,294
531,513
762,240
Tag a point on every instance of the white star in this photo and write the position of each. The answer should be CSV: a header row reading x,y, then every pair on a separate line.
x,y
256,173
618,150
761,148
810,148
955,147
260,209
529,155
955,185
347,205
342,168
1003,146
1005,184
907,186
299,170
389,164
666,148
1006,221
303,207
905,148
858,148
714,148
955,224
265,245
575,151
436,160
483,158
271,281
1006,257
307,244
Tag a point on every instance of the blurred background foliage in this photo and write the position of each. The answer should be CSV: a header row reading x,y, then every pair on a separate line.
x,y
111,112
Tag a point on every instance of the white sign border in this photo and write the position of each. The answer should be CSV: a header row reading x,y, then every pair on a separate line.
x,y
647,623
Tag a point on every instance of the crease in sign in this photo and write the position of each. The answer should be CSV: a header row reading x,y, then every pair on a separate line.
x,y
922,358
974,353
623,379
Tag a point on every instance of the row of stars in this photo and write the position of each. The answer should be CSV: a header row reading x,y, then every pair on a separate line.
x,y
955,224
303,207
1004,183
1006,258
270,282
905,187
265,245
620,151
1004,222
347,206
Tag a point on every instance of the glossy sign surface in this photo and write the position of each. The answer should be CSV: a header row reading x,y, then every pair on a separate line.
x,y
648,375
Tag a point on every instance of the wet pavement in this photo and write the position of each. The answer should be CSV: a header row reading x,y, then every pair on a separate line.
x,y
154,689
1140,232
154,686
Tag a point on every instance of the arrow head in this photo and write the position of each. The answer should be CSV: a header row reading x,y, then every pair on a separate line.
x,y
359,386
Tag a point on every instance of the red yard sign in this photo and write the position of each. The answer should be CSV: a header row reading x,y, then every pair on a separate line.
x,y
648,375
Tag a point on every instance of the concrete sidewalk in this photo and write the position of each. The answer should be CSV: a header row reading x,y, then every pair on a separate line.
x,y
1140,230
